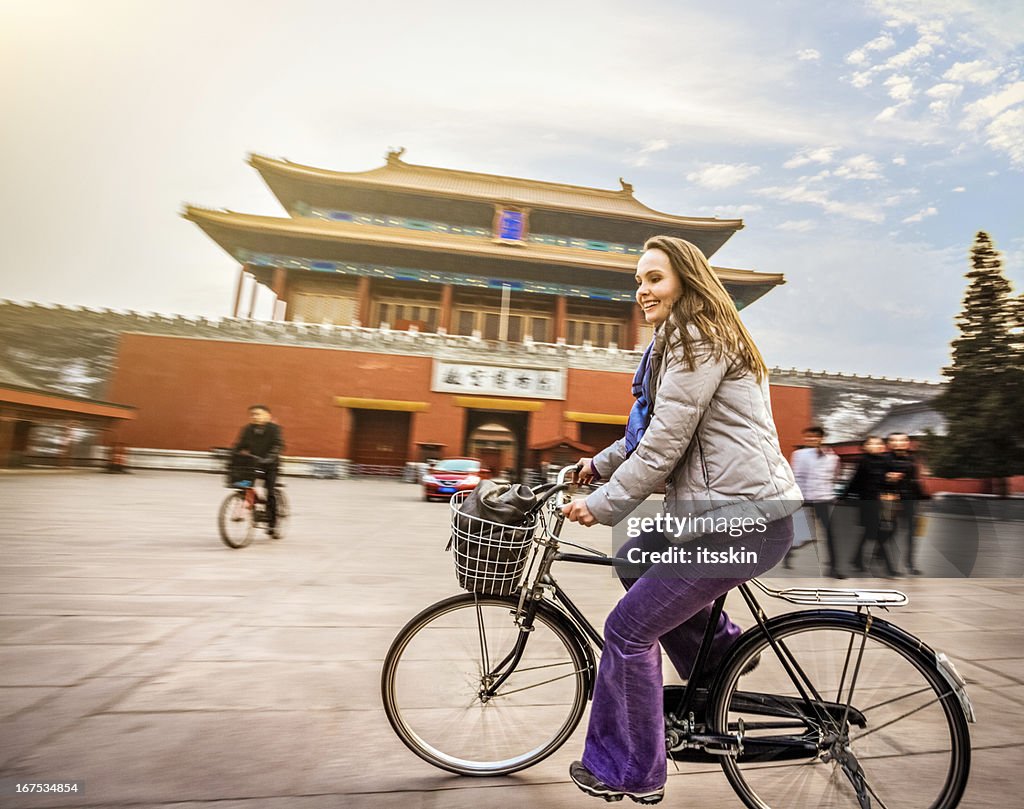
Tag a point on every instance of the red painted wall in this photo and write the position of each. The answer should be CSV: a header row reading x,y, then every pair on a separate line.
x,y
193,394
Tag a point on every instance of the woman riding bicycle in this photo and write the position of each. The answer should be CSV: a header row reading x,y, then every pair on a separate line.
x,y
702,425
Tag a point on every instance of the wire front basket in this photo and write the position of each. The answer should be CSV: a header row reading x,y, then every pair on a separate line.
x,y
490,557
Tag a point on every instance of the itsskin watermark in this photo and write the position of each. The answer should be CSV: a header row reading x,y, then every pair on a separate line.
x,y
699,555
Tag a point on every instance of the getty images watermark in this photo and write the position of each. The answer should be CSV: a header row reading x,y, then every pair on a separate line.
x,y
672,527
949,538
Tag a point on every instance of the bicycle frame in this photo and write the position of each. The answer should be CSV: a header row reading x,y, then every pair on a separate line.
x,y
691,745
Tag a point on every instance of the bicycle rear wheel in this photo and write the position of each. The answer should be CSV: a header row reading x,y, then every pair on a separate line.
x,y
440,663
236,520
904,742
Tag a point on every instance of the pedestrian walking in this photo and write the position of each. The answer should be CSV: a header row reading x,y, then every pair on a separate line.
x,y
867,485
905,484
816,468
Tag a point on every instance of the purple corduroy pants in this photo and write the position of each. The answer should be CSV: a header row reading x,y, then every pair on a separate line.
x,y
669,603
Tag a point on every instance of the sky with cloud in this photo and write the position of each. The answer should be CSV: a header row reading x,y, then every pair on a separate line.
x,y
863,143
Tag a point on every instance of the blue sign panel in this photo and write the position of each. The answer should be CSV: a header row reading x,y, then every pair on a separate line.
x,y
511,225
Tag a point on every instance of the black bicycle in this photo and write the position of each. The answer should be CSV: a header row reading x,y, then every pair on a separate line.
x,y
244,511
823,707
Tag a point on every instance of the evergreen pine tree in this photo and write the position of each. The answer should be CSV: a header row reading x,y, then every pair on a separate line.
x,y
983,401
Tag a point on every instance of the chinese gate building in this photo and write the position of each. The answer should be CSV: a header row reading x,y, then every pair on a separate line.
x,y
425,312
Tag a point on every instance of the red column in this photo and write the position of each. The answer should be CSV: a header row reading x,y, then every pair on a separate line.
x,y
6,439
632,328
346,433
280,287
364,297
560,317
445,321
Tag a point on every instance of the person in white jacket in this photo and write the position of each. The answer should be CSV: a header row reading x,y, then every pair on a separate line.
x,y
816,468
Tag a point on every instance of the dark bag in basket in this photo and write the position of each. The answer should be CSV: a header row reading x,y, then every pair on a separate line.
x,y
496,552
498,502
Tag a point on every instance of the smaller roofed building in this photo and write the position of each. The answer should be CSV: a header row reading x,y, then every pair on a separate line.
x,y
26,408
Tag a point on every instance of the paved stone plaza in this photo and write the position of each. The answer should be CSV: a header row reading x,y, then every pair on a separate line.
x,y
141,656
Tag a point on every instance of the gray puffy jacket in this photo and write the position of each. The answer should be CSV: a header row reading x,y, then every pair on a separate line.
x,y
711,440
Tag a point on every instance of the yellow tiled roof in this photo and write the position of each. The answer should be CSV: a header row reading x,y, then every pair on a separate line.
x,y
399,175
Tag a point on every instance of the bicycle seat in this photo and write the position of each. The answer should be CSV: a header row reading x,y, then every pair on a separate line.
x,y
242,484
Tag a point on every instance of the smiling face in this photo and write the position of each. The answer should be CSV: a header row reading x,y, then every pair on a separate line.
x,y
658,286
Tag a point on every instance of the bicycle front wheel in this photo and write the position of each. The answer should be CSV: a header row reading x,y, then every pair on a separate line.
x,y
879,726
441,664
235,520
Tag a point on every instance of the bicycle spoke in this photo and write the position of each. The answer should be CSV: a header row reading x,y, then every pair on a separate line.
x,y
853,680
896,699
537,685
902,717
882,804
545,666
842,679
485,659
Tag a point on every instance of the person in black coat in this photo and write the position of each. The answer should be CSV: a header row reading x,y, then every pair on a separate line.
x,y
868,485
258,450
902,477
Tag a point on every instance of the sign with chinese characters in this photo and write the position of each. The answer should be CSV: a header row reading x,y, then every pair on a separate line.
x,y
511,225
496,380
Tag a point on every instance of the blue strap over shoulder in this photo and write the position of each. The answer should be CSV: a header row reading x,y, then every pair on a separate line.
x,y
640,413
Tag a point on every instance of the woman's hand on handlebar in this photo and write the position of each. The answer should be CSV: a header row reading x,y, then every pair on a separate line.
x,y
577,511
585,472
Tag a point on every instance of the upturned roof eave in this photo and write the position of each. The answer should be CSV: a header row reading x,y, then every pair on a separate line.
x,y
298,173
344,233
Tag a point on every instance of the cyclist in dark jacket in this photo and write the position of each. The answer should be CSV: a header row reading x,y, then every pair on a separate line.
x,y
258,450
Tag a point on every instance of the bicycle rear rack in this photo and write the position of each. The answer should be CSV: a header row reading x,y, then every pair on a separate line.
x,y
836,597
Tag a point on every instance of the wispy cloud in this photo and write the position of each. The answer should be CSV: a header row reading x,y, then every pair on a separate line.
x,y
944,94
987,108
959,189
817,196
729,211
924,47
1001,115
821,154
722,175
882,42
808,55
643,155
860,167
991,22
798,225
901,88
899,160
1006,134
976,72
921,215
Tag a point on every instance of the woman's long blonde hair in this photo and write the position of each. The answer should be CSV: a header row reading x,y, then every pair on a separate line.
x,y
705,304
